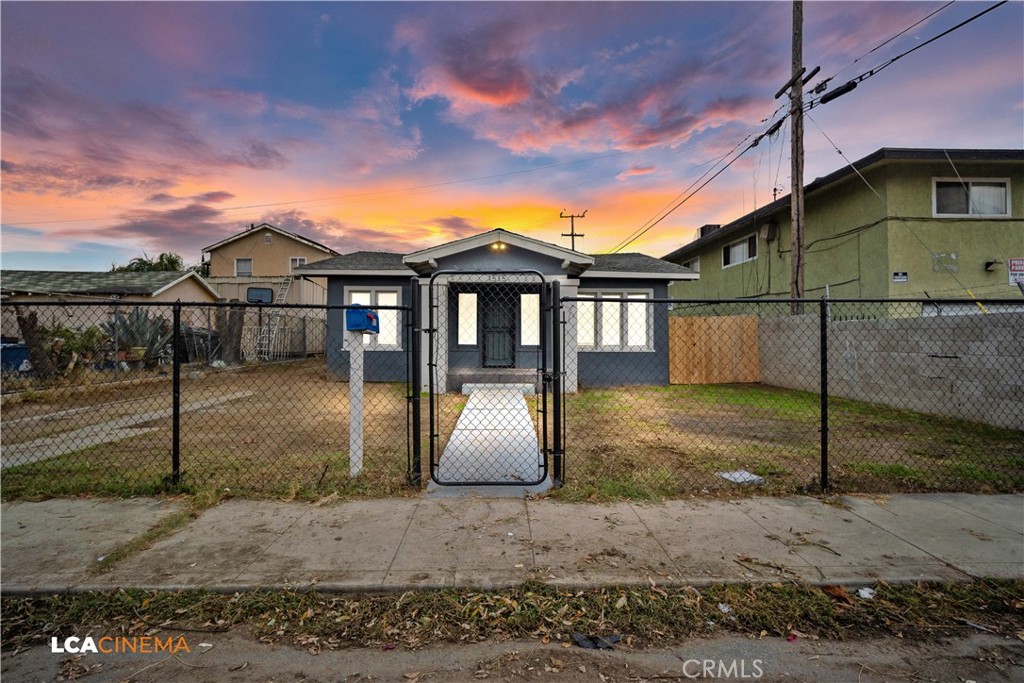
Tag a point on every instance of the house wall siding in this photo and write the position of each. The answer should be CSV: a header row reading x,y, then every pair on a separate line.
x,y
379,366
267,259
311,291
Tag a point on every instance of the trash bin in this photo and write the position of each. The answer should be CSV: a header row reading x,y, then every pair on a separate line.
x,y
12,356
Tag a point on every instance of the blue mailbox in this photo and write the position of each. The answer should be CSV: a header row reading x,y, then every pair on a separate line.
x,y
360,319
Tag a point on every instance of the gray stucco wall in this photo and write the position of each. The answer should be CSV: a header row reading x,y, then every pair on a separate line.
x,y
380,366
462,357
967,366
607,368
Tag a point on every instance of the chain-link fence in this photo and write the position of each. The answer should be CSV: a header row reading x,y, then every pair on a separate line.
x,y
488,352
655,397
256,400
908,395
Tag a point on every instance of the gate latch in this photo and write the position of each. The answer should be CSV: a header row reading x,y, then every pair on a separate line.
x,y
548,378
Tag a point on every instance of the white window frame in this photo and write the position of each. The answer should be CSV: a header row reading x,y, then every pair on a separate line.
x,y
268,238
476,320
693,264
757,250
622,346
522,322
968,182
372,341
295,262
249,259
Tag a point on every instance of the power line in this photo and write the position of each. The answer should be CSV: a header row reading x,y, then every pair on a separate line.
x,y
903,222
852,83
827,97
640,233
884,43
629,239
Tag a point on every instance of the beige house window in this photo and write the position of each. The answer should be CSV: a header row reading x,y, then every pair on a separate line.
x,y
268,238
243,267
296,262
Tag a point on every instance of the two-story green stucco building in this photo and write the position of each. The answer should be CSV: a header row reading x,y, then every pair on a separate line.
x,y
898,223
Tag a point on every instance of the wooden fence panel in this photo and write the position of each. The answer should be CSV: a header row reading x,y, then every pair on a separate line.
x,y
713,350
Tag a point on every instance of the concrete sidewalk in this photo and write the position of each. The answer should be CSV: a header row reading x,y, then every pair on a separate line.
x,y
414,543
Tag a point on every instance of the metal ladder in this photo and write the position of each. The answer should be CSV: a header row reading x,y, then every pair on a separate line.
x,y
268,333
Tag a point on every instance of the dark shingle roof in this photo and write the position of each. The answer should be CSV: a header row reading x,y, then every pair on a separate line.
x,y
63,282
635,263
360,260
383,260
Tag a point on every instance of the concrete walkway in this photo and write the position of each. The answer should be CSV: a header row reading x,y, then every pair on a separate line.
x,y
408,543
494,440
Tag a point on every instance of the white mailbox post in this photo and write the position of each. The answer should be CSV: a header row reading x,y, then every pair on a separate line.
x,y
355,347
358,322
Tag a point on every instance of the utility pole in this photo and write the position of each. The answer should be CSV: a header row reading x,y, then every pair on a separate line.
x,y
572,234
796,210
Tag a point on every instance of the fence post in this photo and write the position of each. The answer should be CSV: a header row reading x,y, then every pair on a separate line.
x,y
175,396
415,330
823,334
354,346
556,382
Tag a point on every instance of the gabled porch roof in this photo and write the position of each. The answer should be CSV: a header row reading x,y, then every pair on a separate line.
x,y
425,260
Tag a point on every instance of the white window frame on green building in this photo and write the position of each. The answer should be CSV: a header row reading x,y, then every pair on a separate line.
x,y
975,207
746,242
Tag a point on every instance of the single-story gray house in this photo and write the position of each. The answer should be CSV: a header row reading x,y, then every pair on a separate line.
x,y
482,296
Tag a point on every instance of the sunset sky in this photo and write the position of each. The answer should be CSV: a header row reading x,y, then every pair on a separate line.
x,y
151,127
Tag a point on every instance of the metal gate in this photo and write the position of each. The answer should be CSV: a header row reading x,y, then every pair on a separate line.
x,y
489,355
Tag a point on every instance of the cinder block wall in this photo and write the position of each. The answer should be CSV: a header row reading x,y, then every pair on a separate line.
x,y
968,366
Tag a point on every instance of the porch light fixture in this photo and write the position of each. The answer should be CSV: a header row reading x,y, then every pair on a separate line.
x,y
499,246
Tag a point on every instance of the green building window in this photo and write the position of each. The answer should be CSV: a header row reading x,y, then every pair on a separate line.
x,y
738,252
955,197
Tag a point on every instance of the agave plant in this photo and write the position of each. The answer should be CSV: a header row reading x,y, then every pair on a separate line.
x,y
138,329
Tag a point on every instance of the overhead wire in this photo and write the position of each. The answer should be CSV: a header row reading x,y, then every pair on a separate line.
x,y
902,221
690,191
852,83
812,103
885,42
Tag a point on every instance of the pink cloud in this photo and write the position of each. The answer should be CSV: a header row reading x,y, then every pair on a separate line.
x,y
486,76
635,171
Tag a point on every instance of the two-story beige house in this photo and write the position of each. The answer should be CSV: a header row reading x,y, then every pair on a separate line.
x,y
257,266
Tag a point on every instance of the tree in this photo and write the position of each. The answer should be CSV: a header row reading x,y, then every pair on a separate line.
x,y
165,262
